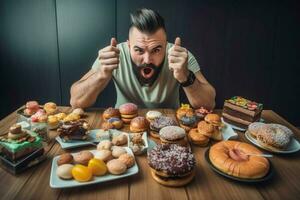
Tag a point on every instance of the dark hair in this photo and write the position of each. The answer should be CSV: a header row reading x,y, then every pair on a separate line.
x,y
146,20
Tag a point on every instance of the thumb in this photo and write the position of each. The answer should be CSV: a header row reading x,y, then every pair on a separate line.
x,y
113,42
178,41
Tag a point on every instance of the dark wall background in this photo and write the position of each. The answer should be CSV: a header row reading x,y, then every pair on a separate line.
x,y
247,48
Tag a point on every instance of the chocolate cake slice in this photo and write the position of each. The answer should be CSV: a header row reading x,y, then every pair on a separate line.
x,y
73,130
241,112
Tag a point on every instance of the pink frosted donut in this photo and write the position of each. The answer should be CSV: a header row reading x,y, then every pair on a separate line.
x,y
128,108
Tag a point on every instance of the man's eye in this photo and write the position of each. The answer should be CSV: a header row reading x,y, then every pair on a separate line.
x,y
156,50
139,50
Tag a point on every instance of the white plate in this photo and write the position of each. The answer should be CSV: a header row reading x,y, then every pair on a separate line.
x,y
56,182
144,138
239,128
78,143
294,145
228,133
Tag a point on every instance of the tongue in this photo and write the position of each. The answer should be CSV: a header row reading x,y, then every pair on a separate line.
x,y
147,72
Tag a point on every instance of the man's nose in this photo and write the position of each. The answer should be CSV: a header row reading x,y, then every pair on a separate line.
x,y
147,58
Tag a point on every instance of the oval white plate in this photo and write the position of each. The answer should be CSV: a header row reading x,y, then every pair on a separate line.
x,y
293,147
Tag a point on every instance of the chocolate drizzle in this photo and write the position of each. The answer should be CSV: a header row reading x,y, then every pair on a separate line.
x,y
73,130
172,159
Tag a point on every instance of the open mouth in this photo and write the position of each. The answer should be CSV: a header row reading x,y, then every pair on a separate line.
x,y
147,72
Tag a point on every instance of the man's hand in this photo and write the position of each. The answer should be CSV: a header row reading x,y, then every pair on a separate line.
x,y
178,61
109,57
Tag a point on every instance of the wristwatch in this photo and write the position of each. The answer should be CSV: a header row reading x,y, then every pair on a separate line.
x,y
190,80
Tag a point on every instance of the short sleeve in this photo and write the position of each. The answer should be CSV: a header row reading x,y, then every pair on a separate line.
x,y
192,63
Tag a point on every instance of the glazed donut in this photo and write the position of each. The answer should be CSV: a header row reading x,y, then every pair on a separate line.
x,y
231,158
273,137
213,119
115,122
197,138
139,124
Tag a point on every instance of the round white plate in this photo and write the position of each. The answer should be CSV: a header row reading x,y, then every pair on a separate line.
x,y
293,147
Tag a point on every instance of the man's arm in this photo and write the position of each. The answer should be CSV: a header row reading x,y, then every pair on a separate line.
x,y
85,91
201,93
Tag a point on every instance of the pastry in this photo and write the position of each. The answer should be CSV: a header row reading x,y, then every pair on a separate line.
x,y
136,143
197,138
152,114
64,171
60,116
254,127
50,108
103,135
111,113
53,122
273,137
172,165
81,173
71,117
172,135
31,108
65,158
104,155
160,122
73,130
118,151
127,159
112,123
213,119
202,112
139,124
205,128
19,143
128,112
231,157
241,112
97,167
83,157
104,145
186,117
119,139
116,167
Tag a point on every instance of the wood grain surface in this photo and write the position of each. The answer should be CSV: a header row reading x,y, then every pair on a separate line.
x,y
34,182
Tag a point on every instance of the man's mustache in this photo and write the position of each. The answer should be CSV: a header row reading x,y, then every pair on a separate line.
x,y
147,65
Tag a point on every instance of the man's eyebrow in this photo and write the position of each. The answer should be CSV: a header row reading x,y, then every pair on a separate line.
x,y
157,47
138,48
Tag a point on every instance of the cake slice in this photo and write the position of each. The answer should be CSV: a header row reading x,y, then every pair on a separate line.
x,y
73,130
241,112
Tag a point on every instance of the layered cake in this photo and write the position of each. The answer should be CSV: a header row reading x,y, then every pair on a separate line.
x,y
241,112
19,143
73,130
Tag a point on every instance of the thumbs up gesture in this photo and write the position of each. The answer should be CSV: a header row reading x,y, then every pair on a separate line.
x,y
178,61
109,57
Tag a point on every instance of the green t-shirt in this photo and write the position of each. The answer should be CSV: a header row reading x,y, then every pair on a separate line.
x,y
163,93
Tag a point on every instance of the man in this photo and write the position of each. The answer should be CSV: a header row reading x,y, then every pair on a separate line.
x,y
146,70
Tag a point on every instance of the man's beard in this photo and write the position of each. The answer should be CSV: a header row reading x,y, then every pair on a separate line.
x,y
146,73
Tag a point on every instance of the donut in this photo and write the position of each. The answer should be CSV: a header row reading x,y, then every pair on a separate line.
x,y
202,112
213,119
172,135
231,158
128,109
111,112
32,105
205,128
116,167
118,151
160,122
197,138
171,164
116,122
273,137
119,139
152,114
50,108
254,127
139,124
83,157
104,145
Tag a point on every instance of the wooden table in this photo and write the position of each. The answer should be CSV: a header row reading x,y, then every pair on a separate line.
x,y
34,183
